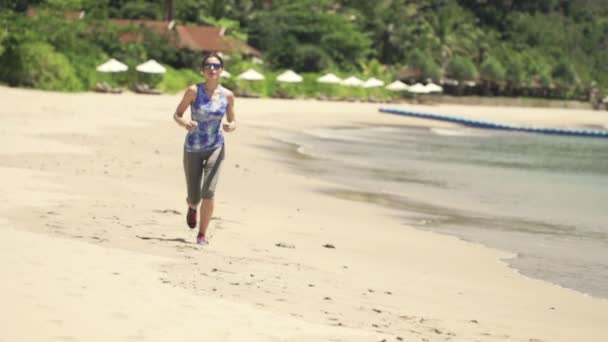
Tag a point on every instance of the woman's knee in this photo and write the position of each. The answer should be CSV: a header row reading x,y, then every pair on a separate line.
x,y
208,194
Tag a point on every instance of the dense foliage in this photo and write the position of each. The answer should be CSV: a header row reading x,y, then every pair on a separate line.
x,y
554,48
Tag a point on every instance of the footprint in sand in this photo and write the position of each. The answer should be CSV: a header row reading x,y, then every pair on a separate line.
x,y
284,245
119,315
44,306
140,336
74,294
98,239
136,338
167,211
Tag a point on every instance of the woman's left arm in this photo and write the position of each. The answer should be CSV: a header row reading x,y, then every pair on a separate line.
x,y
230,124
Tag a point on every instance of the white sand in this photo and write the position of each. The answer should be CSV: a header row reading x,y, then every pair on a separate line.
x,y
95,247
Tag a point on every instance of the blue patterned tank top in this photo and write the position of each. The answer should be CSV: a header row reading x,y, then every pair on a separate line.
x,y
208,113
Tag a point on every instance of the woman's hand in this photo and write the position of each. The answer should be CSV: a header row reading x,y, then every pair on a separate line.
x,y
229,126
190,125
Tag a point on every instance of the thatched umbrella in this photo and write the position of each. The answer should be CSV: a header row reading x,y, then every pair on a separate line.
x,y
289,76
251,75
112,66
329,79
397,86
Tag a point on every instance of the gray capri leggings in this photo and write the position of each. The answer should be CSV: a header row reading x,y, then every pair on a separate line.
x,y
203,166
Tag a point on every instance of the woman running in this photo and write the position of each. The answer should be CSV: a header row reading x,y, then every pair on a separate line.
x,y
204,145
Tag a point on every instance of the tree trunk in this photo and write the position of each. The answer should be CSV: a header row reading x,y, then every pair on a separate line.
x,y
169,10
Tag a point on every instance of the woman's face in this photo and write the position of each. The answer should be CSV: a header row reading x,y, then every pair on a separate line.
x,y
212,68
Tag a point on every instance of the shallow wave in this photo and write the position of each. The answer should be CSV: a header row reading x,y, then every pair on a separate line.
x,y
298,145
337,135
460,132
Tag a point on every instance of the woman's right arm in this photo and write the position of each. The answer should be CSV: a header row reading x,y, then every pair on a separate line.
x,y
178,116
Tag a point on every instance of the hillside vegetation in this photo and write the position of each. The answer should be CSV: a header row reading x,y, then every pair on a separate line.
x,y
545,48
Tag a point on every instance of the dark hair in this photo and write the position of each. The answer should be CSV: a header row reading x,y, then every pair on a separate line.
x,y
209,55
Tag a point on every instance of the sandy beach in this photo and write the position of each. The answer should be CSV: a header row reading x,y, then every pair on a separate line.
x,y
95,246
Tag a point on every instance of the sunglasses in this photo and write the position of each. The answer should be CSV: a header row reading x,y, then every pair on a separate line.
x,y
216,66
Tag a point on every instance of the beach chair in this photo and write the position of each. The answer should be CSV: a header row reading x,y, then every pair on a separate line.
x,y
247,94
104,87
282,94
143,88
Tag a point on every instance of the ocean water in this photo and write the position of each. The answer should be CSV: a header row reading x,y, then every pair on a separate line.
x,y
543,198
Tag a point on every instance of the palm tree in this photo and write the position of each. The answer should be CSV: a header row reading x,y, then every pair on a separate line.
x,y
169,10
454,32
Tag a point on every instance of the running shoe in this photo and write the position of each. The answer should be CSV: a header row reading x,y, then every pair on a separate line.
x,y
191,218
201,239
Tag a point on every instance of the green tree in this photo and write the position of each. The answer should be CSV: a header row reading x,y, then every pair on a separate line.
x,y
422,61
454,32
18,5
307,23
462,69
312,58
492,69
40,66
515,71
3,33
343,43
138,9
391,24
564,74
538,68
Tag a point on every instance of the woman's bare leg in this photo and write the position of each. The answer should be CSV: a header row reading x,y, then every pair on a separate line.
x,y
206,214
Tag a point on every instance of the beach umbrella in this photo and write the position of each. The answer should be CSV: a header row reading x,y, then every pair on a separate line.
x,y
289,76
112,65
251,75
418,88
329,78
397,86
225,74
151,67
373,83
433,88
352,81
